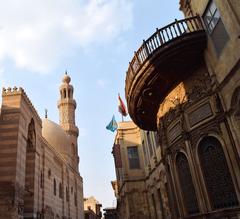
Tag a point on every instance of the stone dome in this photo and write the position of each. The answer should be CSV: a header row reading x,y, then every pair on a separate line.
x,y
66,78
56,136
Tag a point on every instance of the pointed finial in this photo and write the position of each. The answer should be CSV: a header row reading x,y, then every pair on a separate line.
x,y
66,78
46,111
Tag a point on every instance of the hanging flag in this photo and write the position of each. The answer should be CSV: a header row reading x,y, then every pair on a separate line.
x,y
112,126
121,107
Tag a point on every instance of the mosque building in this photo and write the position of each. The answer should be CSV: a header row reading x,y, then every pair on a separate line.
x,y
39,162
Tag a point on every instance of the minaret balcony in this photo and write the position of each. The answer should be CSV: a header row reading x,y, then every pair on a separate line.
x,y
168,57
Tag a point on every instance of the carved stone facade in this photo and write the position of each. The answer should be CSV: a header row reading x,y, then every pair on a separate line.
x,y
198,123
39,175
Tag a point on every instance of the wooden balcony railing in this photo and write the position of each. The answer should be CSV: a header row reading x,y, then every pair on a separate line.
x,y
159,39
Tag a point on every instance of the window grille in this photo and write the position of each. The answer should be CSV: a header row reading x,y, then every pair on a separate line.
x,y
216,174
186,184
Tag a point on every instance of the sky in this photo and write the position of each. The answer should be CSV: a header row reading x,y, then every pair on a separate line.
x,y
94,40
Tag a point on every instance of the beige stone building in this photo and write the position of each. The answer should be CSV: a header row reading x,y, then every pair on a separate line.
x,y
184,83
139,183
39,175
92,208
130,188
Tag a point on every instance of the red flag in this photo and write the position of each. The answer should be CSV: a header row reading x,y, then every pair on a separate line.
x,y
121,107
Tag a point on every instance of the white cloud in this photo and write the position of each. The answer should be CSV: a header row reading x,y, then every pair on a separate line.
x,y
38,34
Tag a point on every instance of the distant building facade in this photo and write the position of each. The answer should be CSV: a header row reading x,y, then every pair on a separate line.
x,y
39,175
92,208
184,84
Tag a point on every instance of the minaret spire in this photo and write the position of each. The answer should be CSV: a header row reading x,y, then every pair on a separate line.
x,y
67,106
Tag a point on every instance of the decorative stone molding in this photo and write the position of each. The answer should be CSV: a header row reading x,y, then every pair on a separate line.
x,y
204,130
199,114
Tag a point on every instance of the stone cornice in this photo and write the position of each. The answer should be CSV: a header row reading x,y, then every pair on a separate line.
x,y
20,91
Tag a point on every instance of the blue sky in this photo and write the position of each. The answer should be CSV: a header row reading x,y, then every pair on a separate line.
x,y
94,41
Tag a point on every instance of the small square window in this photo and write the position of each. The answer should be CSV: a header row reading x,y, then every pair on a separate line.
x,y
133,157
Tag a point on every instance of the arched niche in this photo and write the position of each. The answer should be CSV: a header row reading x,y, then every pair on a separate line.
x,y
216,174
31,139
186,184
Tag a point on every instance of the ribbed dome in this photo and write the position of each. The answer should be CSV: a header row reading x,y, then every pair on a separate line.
x,y
56,136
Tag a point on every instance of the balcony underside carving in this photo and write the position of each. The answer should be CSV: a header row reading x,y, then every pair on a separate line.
x,y
167,67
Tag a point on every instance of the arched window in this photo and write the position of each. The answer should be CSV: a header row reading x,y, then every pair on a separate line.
x,y
216,174
186,184
31,141
75,198
64,93
41,180
67,194
60,190
54,187
68,93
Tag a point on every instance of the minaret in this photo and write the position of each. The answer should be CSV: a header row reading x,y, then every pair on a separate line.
x,y
67,106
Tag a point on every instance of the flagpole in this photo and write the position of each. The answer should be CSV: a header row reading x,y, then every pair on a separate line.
x,y
122,119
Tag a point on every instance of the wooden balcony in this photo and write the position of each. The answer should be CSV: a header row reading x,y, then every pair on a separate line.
x,y
168,57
